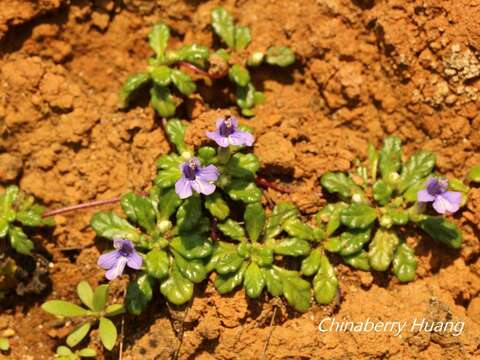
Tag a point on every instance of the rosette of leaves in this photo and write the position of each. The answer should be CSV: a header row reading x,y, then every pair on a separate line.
x,y
377,200
96,312
18,210
237,38
237,171
162,75
253,256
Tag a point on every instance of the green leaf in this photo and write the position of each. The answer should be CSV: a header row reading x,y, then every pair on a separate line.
x,y
3,227
339,183
241,190
325,283
280,55
255,58
139,293
227,282
183,82
295,228
110,226
358,216
192,245
296,290
398,216
206,155
253,281
474,174
177,289
242,37
280,213
372,161
358,260
263,256
418,166
390,157
163,101
108,333
139,209
442,230
19,241
169,161
242,166
167,178
63,351
223,25
330,214
311,263
169,203
353,241
157,263
411,194
232,229
217,206
87,352
333,244
254,220
77,335
404,263
158,38
292,247
228,262
114,310
130,86
194,54
382,249
245,97
273,281
239,75
4,344
382,192
193,270
189,214
64,308
100,297
161,75
85,293
176,134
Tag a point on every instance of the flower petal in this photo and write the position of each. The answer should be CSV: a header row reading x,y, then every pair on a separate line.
x,y
117,270
241,138
219,122
208,173
203,187
183,188
454,199
234,122
108,260
221,141
124,244
134,261
424,196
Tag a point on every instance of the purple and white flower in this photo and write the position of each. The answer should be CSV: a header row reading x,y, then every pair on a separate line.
x,y
197,178
114,261
228,134
444,202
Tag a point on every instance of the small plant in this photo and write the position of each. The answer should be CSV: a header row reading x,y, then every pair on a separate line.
x,y
65,353
97,311
168,82
373,210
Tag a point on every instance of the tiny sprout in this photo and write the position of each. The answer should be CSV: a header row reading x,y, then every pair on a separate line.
x,y
197,178
444,202
65,353
114,261
228,134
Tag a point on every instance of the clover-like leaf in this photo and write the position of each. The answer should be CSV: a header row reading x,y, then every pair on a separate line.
x,y
108,333
253,281
110,226
418,166
254,220
358,216
224,26
358,260
390,159
239,75
227,282
158,38
217,206
139,209
325,283
131,85
139,293
311,263
232,229
382,192
78,334
64,308
163,101
382,249
295,228
292,247
442,230
280,56
242,190
280,213
352,241
19,240
404,263
242,37
243,166
340,183
183,82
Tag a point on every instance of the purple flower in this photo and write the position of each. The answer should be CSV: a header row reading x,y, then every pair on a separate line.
x,y
227,133
114,261
443,201
197,178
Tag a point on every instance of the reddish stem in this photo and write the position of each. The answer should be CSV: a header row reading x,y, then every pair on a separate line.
x,y
198,70
264,183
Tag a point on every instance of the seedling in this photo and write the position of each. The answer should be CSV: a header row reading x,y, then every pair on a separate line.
x,y
65,353
16,210
372,210
97,311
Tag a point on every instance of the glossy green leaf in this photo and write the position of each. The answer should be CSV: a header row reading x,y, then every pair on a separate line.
x,y
63,351
390,159
223,25
189,214
245,191
100,297
325,283
193,270
296,290
110,226
176,134
263,256
295,228
163,101
192,245
358,216
194,54
245,96
253,281
33,216
280,55
131,85
352,241
239,75
168,177
228,261
273,281
217,206
442,230
114,310
330,214
292,247
78,334
3,227
372,161
87,352
358,261
139,209
242,166
280,213
157,263
161,75
417,167
339,183
255,58
333,244
169,203
232,229
311,263
382,249
404,263
242,37
139,293
183,82
19,240
227,282
474,174
382,192
7,199
254,220
398,216
158,38
85,293
206,155
108,333
412,192
64,308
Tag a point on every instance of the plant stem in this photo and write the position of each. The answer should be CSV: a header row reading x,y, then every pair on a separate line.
x,y
264,183
194,68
